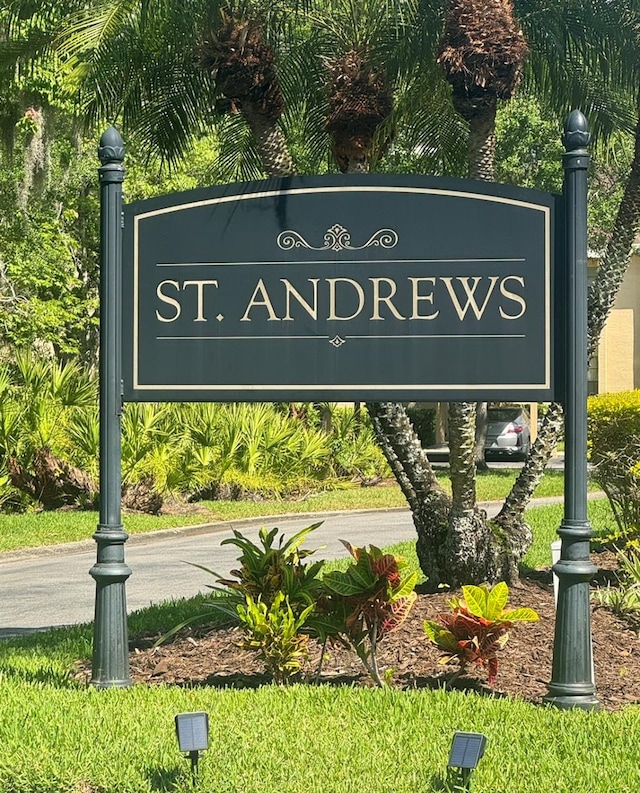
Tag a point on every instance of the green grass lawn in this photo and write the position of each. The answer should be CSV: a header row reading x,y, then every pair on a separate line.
x,y
303,739
50,528
57,736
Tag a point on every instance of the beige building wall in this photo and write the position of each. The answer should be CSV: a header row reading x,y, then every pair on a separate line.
x,y
618,362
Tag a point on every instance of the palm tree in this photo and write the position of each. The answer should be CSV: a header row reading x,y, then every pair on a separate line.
x,y
145,62
168,71
482,53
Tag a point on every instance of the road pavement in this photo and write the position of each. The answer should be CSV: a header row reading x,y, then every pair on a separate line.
x,y
52,586
46,587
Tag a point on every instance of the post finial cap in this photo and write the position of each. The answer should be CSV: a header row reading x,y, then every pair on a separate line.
x,y
111,147
576,131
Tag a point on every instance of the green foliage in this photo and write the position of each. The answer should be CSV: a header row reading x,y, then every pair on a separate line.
x,y
368,600
623,598
49,243
49,213
40,400
477,627
275,633
198,451
608,174
268,571
354,452
529,151
424,424
274,596
614,454
528,146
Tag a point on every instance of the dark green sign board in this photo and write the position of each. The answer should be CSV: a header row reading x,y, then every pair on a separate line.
x,y
339,288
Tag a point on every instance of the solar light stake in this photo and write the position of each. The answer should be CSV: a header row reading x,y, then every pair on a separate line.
x,y
467,748
192,730
194,757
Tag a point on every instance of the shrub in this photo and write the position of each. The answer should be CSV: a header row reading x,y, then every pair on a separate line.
x,y
369,600
276,634
270,569
354,451
424,423
614,454
477,627
624,598
273,595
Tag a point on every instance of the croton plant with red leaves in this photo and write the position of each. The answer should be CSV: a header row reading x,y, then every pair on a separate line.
x,y
371,598
477,627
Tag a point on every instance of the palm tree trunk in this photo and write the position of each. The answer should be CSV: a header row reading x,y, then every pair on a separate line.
x,y
357,166
270,142
482,148
615,261
467,524
462,455
602,295
482,142
482,426
511,514
430,505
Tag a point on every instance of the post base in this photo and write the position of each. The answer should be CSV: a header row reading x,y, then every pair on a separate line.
x,y
568,702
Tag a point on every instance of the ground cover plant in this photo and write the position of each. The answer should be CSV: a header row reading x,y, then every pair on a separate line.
x,y
49,444
302,739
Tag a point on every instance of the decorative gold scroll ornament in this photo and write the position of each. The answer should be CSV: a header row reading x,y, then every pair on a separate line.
x,y
337,238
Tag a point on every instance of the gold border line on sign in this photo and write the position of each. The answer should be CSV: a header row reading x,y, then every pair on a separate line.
x,y
137,386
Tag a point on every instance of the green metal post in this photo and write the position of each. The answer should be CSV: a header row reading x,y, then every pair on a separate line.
x,y
110,638
572,684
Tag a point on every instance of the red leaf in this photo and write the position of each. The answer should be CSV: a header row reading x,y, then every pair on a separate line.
x,y
386,566
492,669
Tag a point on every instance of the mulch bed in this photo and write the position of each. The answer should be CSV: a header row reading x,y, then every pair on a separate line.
x,y
213,658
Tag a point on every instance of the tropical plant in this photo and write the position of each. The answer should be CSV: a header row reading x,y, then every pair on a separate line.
x,y
275,633
278,599
274,597
477,627
269,569
354,452
370,599
624,597
40,401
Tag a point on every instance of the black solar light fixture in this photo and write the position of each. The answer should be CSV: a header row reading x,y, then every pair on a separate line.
x,y
192,730
466,752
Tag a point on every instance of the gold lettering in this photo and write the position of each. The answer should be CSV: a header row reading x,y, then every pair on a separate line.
x,y
512,296
170,300
417,298
200,287
332,298
266,302
470,293
378,298
312,311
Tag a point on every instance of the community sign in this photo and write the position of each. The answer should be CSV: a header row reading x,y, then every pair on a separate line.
x,y
363,287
